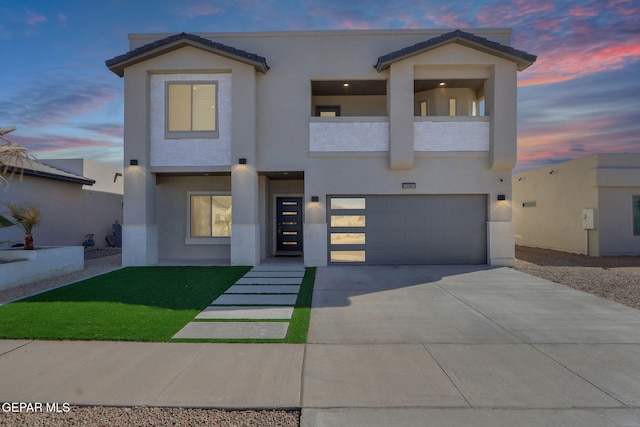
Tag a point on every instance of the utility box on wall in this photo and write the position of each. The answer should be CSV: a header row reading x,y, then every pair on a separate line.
x,y
588,218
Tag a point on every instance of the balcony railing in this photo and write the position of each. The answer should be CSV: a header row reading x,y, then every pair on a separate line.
x,y
348,134
445,133
371,134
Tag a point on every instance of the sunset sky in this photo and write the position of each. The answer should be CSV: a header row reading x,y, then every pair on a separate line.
x,y
582,95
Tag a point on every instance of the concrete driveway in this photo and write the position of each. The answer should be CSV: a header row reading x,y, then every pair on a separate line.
x,y
466,345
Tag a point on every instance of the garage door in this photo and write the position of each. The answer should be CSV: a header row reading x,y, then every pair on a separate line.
x,y
433,229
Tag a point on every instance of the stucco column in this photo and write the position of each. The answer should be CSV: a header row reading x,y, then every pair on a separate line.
x,y
245,224
500,226
139,229
502,108
245,228
400,95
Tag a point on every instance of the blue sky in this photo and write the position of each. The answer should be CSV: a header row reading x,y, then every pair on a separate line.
x,y
582,96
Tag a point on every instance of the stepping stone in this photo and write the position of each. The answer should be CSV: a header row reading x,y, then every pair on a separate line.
x,y
262,289
231,330
240,312
276,267
274,274
264,299
270,281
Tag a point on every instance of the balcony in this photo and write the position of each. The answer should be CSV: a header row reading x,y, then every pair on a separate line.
x,y
354,134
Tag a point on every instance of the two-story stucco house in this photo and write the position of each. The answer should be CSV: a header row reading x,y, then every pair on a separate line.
x,y
375,147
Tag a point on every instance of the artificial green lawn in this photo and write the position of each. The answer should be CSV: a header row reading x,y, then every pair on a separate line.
x,y
131,304
135,304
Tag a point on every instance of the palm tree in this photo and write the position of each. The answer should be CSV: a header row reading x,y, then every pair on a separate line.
x,y
13,157
26,216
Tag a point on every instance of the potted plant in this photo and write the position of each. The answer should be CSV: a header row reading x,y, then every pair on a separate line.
x,y
26,216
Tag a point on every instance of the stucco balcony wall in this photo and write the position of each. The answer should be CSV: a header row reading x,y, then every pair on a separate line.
x,y
348,134
451,134
39,264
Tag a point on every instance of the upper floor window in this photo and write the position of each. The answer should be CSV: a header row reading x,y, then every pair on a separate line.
x,y
192,110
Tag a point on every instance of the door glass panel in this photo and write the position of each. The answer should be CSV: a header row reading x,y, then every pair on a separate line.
x,y
289,213
348,238
347,256
289,203
348,203
348,221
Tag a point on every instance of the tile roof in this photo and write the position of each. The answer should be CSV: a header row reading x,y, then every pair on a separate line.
x,y
39,169
523,59
176,41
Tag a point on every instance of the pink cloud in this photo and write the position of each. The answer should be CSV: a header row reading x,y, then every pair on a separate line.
x,y
583,12
201,9
353,25
48,143
572,61
62,18
34,19
573,139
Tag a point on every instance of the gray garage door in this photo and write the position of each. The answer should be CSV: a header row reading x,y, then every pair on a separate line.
x,y
434,229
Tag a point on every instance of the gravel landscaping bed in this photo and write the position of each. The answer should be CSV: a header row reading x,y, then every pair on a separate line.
x,y
616,278
148,416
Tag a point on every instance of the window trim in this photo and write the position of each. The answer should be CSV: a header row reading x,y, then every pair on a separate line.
x,y
635,215
191,134
189,240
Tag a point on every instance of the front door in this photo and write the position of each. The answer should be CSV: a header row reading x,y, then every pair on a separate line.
x,y
289,226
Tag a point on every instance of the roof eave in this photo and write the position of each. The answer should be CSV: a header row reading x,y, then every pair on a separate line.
x,y
118,66
521,62
41,174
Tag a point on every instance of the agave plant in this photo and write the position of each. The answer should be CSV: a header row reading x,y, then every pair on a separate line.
x,y
26,216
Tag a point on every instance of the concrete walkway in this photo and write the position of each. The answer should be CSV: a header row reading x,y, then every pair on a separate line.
x,y
267,292
402,346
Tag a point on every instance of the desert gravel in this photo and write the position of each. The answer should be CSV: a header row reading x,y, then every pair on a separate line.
x,y
90,416
616,278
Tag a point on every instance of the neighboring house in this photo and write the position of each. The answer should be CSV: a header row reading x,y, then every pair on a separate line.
x,y
589,205
375,147
76,197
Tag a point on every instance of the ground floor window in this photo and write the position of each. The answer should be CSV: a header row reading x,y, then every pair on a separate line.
x,y
347,229
636,215
209,215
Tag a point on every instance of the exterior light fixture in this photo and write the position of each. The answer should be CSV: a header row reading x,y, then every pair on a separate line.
x,y
442,84
502,197
315,199
242,161
133,162
345,84
408,185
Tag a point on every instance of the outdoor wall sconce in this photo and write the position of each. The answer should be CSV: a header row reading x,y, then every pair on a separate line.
x,y
133,162
502,197
315,199
408,185
242,161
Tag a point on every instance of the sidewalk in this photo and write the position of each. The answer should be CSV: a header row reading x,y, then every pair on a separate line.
x,y
455,345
